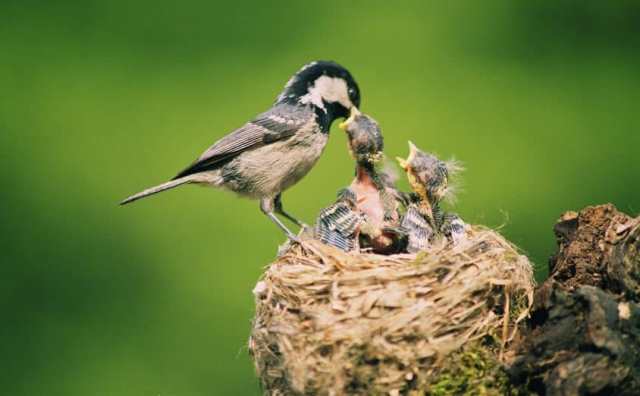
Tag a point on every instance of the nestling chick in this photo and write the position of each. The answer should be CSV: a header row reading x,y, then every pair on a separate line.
x,y
339,224
424,219
376,197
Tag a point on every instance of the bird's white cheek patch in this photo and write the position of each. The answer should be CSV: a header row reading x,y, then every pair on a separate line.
x,y
331,89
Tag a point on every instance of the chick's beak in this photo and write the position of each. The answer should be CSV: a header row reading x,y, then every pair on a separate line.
x,y
403,163
413,150
354,112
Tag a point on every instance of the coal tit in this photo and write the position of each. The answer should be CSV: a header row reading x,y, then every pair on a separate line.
x,y
279,147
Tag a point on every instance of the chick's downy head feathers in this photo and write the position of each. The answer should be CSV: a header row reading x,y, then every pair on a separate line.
x,y
427,174
365,137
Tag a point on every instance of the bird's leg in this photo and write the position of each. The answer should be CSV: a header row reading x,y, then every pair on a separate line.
x,y
267,205
280,210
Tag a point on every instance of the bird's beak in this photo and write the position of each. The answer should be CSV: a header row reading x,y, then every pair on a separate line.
x,y
413,150
404,164
354,112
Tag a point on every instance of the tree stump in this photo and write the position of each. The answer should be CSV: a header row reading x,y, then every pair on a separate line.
x,y
583,337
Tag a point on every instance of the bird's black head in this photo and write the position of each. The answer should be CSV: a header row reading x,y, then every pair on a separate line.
x,y
327,86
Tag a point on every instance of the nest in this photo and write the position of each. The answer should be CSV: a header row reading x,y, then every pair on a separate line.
x,y
332,323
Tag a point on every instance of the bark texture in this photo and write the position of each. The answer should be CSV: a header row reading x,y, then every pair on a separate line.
x,y
583,337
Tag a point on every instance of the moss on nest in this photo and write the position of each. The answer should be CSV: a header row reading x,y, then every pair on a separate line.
x,y
332,323
473,370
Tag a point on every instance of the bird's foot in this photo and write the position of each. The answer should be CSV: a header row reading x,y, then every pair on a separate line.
x,y
306,229
303,243
291,241
294,238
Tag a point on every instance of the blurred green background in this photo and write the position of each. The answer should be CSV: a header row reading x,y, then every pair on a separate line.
x,y
103,98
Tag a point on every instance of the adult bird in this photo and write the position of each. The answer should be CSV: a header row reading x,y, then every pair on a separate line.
x,y
279,147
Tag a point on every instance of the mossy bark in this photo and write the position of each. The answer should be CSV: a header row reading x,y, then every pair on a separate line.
x,y
583,337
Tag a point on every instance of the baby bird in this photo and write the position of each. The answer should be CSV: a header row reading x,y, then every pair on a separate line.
x,y
339,224
377,198
365,212
424,220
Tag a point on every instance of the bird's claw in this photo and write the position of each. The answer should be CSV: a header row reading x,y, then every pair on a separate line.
x,y
294,238
300,242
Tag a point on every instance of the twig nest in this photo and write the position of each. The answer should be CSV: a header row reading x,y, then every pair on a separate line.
x,y
333,323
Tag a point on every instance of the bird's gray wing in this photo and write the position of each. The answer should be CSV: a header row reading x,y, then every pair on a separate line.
x,y
453,227
337,226
267,128
417,228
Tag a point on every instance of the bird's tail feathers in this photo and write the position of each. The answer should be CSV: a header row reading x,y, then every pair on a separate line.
x,y
159,188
